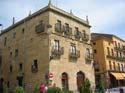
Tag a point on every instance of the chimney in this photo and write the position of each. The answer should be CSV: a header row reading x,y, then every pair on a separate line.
x,y
13,20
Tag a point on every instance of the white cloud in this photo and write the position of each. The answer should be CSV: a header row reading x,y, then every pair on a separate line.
x,y
103,15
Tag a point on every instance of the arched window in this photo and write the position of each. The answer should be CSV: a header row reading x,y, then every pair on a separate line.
x,y
80,79
64,79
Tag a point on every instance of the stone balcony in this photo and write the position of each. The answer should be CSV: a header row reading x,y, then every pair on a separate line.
x,y
56,53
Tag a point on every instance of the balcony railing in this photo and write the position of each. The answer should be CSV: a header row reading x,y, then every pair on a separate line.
x,y
59,28
40,28
120,58
85,37
77,35
74,55
116,57
57,52
119,48
89,57
68,31
111,56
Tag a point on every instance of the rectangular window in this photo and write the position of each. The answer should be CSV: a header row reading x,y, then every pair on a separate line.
x,y
119,45
118,67
84,33
35,64
73,49
59,24
117,54
120,54
11,68
112,52
88,52
94,43
110,65
56,44
20,66
122,67
14,35
108,51
16,52
67,27
95,51
77,30
10,54
115,44
23,31
40,27
5,41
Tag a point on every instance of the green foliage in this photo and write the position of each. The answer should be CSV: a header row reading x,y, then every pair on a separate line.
x,y
36,89
57,90
5,88
54,90
66,91
19,89
86,87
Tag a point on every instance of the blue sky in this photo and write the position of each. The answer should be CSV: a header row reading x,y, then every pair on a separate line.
x,y
106,16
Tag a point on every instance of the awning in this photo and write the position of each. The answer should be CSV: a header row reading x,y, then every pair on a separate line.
x,y
118,76
123,74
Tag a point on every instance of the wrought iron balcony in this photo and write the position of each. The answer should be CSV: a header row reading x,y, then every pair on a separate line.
x,y
116,57
57,52
59,28
40,28
77,35
85,37
74,55
68,31
120,58
119,48
111,56
89,57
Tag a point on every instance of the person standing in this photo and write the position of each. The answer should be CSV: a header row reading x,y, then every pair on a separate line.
x,y
46,88
42,88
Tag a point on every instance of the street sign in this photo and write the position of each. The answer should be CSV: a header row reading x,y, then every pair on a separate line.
x,y
51,75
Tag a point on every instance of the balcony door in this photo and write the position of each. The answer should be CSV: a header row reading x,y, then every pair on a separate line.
x,y
80,79
64,78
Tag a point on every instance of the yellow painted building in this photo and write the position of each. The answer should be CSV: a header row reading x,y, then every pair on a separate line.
x,y
109,60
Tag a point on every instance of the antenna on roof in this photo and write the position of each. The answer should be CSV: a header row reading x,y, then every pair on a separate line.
x,y
49,2
87,20
71,12
13,21
30,13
